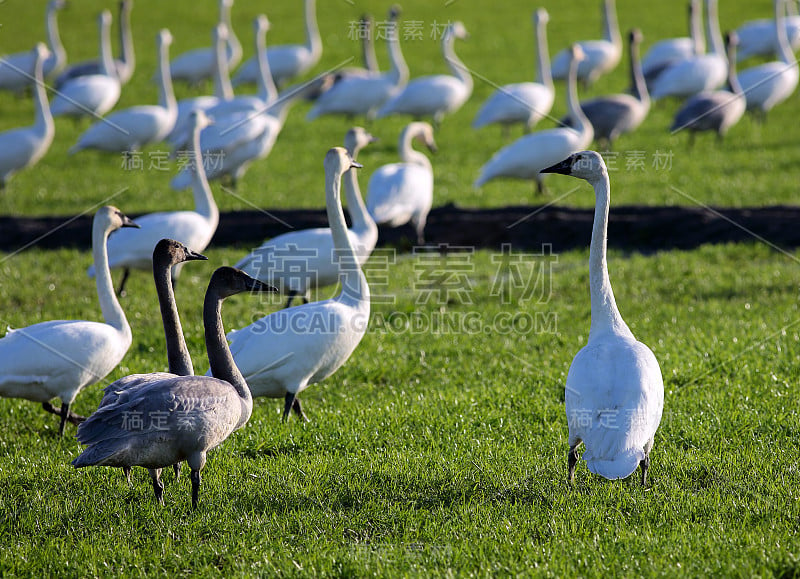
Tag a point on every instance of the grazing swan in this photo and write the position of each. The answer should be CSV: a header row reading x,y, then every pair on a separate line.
x,y
93,94
124,66
759,37
281,354
614,115
772,83
401,192
614,394
601,56
21,148
193,228
524,102
299,261
667,52
715,110
436,95
365,93
290,60
528,155
699,73
133,128
194,413
58,358
197,65
14,68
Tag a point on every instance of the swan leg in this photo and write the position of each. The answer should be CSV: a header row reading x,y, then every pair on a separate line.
x,y
644,464
289,404
572,461
71,416
126,470
64,416
195,476
298,409
292,294
125,273
158,486
177,468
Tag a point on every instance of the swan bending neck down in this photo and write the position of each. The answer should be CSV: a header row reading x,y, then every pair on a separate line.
x,y
199,412
614,394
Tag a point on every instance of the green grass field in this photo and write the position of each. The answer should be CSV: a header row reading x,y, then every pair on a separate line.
x,y
440,447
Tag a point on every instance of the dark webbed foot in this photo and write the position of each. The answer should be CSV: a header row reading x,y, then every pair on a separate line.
x,y
195,476
572,461
644,464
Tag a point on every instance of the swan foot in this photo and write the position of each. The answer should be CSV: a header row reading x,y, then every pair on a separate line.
x,y
298,409
177,468
572,461
158,486
65,415
289,401
644,464
195,476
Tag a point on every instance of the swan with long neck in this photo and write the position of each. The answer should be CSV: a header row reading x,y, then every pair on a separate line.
x,y
528,155
299,261
666,52
24,147
524,102
438,95
283,353
614,394
58,359
198,413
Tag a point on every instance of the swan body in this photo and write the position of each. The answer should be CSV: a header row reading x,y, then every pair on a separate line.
x,y
600,56
666,52
614,394
283,353
760,38
524,102
24,147
299,261
528,155
58,359
437,95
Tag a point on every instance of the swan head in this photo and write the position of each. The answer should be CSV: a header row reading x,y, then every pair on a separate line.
x,y
458,30
169,252
112,218
338,161
228,281
394,12
731,38
220,31
261,23
126,5
57,4
576,53
104,18
635,36
541,16
423,133
199,118
164,37
356,139
587,165
40,51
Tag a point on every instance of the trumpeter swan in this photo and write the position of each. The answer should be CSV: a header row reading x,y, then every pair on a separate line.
x,y
600,56
192,228
759,38
437,95
57,359
614,394
290,60
528,155
401,192
299,261
281,354
524,102
93,94
20,148
133,128
196,413
666,52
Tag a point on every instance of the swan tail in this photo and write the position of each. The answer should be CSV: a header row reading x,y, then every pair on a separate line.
x,y
620,466
106,453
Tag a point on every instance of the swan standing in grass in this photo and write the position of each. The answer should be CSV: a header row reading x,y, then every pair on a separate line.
x,y
21,148
524,102
57,359
290,60
281,354
437,95
299,261
715,110
401,192
365,93
124,66
15,68
195,413
193,228
133,128
528,155
197,65
600,56
772,83
665,53
759,37
614,394
92,94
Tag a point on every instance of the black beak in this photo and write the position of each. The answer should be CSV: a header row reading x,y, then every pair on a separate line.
x,y
564,167
260,286
356,164
433,148
128,222
194,255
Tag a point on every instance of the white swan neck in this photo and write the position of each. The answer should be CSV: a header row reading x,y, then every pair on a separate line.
x,y
457,67
733,78
53,36
696,27
204,203
107,66
784,49
637,77
223,89
361,219
113,314
126,50
166,95
407,152
233,48
178,358
45,127
543,73
712,29
398,72
368,54
610,24
313,40
579,121
267,91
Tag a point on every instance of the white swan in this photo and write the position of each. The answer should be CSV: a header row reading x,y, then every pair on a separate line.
x,y
124,65
57,359
770,84
759,38
528,155
21,148
93,94
195,228
299,261
15,68
666,52
614,395
365,93
195,66
281,354
699,73
195,413
401,192
290,60
600,56
133,128
524,102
